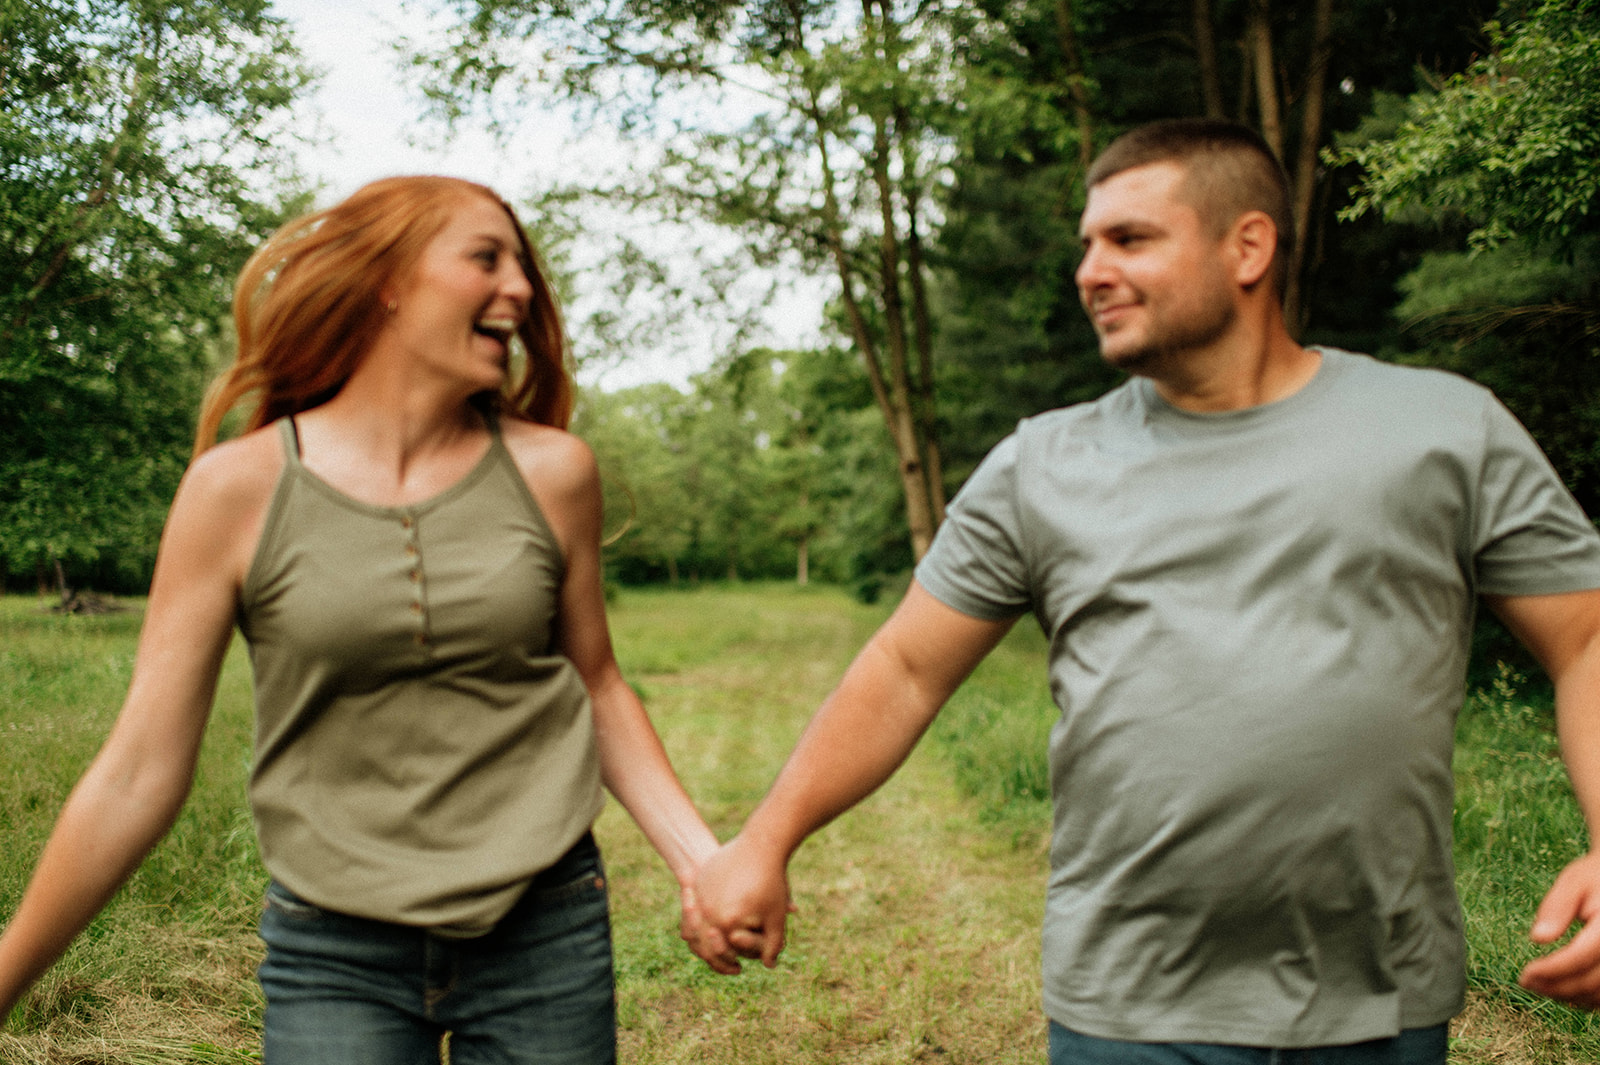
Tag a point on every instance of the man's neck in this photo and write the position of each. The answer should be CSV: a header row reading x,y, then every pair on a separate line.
x,y
1237,377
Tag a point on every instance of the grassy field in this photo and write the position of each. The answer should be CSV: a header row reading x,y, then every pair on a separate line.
x,y
916,939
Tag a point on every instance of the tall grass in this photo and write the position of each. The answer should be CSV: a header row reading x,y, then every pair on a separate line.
x,y
917,936
1516,826
994,733
161,975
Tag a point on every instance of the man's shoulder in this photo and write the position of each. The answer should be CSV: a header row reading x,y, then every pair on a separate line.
x,y
1403,379
1052,440
1105,411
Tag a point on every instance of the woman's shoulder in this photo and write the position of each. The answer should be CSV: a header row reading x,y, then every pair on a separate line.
x,y
549,457
222,504
235,478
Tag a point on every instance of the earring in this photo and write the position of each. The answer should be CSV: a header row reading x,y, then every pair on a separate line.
x,y
392,306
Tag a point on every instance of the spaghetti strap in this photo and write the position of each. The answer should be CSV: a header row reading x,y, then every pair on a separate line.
x,y
290,434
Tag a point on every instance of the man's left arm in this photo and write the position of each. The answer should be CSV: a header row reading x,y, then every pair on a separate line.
x,y
1563,632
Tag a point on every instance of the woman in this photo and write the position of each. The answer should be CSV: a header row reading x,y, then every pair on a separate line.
x,y
409,541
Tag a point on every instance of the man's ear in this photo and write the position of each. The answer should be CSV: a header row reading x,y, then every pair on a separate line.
x,y
1254,240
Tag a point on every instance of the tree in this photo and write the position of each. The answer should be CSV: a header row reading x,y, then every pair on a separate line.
x,y
727,480
1510,146
835,167
649,502
133,140
930,157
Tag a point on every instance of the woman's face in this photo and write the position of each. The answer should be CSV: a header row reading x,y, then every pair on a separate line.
x,y
456,312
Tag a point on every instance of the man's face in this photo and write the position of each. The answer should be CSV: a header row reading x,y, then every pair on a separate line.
x,y
1153,278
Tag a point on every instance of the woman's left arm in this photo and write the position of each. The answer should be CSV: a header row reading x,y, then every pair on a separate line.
x,y
561,472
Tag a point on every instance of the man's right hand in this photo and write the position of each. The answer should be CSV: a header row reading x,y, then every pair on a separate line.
x,y
743,892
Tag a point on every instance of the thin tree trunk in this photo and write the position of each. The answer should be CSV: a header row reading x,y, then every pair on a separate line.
x,y
896,416
1205,49
1259,35
903,419
922,334
1077,82
62,589
891,393
1304,175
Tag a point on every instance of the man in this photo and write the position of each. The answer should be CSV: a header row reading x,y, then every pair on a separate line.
x,y
1257,565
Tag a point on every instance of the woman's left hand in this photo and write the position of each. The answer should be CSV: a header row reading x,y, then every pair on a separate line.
x,y
707,942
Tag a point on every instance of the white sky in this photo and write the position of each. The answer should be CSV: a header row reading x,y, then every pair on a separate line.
x,y
370,127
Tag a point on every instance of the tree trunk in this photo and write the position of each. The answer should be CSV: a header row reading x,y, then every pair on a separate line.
x,y
1304,175
1259,36
61,582
922,334
896,415
892,392
1205,50
1077,82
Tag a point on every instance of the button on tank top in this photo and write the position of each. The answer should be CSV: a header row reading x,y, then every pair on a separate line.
x,y
422,749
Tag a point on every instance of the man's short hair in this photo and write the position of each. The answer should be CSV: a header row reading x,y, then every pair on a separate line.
x,y
1229,170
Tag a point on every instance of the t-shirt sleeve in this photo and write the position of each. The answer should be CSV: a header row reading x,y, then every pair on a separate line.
x,y
1530,535
976,563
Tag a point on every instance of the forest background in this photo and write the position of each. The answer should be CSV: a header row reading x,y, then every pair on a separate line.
x,y
921,160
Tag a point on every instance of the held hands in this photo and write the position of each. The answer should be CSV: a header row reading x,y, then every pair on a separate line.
x,y
737,908
1571,973
707,942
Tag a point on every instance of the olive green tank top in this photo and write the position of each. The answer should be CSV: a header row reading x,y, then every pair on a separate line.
x,y
422,749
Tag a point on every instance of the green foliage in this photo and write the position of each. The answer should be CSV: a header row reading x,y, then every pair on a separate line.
x,y
769,466
1511,145
133,141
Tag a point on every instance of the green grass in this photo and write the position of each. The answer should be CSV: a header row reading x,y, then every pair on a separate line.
x,y
1516,826
994,733
917,933
162,974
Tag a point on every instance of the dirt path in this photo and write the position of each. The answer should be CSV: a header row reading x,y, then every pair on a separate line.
x,y
917,937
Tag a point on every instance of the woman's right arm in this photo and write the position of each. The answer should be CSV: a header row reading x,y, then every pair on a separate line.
x,y
133,790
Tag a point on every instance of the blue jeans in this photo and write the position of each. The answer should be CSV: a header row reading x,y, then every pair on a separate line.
x,y
536,990
1414,1046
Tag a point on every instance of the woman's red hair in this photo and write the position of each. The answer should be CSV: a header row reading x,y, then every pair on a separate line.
x,y
310,300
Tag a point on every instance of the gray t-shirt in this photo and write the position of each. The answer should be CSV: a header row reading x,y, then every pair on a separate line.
x,y
1258,625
